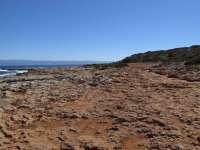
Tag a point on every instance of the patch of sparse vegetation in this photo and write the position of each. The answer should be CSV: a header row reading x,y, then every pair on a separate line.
x,y
186,55
108,65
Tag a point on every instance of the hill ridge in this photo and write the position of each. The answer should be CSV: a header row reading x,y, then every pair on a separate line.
x,y
188,55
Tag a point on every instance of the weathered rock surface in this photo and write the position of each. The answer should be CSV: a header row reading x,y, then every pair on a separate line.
x,y
130,108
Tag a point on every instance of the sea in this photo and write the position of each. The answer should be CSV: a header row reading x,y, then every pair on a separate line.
x,y
15,67
4,72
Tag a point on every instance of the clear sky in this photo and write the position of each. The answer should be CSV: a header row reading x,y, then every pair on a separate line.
x,y
95,29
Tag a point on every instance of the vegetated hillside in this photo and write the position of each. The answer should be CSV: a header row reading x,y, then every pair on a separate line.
x,y
188,55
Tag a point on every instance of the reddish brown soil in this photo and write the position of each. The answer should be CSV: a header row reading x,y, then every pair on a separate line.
x,y
129,108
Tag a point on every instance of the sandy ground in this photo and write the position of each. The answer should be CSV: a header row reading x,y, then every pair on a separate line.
x,y
130,108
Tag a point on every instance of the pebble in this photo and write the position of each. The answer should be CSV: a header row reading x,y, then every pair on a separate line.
x,y
198,139
179,147
66,146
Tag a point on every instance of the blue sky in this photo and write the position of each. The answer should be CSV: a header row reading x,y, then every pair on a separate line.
x,y
95,29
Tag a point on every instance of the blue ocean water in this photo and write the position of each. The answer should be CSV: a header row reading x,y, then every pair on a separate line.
x,y
14,67
19,69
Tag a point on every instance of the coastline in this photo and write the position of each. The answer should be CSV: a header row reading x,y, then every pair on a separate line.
x,y
85,108
13,72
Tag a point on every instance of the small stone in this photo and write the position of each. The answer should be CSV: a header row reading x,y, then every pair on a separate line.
x,y
198,139
116,80
72,130
94,83
6,133
70,115
114,129
60,138
66,146
81,81
159,122
18,147
2,110
179,147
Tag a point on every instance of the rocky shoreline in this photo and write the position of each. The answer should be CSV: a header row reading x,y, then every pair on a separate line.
x,y
129,108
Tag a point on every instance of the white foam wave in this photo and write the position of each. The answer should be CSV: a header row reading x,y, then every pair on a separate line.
x,y
4,73
3,70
